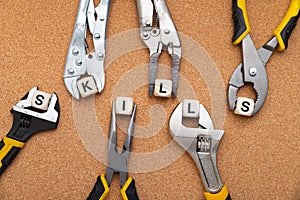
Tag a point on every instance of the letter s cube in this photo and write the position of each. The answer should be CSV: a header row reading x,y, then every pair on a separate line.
x,y
40,100
244,106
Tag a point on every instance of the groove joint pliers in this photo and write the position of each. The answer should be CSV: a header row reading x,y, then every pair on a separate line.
x,y
252,69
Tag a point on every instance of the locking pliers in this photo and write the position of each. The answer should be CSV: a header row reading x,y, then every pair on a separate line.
x,y
159,34
79,61
202,145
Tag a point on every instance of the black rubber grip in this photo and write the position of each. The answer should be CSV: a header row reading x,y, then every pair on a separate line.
x,y
131,192
239,21
9,157
98,190
228,197
288,29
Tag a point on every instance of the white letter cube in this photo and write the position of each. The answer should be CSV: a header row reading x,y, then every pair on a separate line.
x,y
87,86
163,88
40,100
124,105
190,108
244,106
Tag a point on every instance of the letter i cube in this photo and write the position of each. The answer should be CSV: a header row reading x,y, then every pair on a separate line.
x,y
124,105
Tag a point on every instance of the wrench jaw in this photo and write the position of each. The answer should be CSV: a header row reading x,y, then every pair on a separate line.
x,y
202,145
27,121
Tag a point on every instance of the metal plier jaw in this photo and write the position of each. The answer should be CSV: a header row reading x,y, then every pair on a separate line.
x,y
163,36
79,61
118,163
202,145
253,71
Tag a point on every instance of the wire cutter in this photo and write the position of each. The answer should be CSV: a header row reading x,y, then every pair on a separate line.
x,y
26,122
253,70
159,37
202,145
117,163
79,61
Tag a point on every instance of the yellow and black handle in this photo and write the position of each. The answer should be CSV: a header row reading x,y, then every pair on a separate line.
x,y
101,189
287,25
14,141
128,191
23,127
240,19
222,195
9,149
283,31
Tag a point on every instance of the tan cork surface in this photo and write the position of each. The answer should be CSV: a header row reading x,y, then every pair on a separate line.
x,y
258,157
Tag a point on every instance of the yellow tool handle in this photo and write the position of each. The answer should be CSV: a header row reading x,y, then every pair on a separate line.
x,y
222,195
9,149
100,190
240,19
287,25
128,191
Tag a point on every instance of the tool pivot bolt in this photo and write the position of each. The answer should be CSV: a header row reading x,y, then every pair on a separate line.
x,y
252,71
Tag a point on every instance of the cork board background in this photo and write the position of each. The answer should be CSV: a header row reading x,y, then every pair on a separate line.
x,y
258,157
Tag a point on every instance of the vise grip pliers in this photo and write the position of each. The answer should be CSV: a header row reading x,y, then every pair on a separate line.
x,y
26,122
252,69
159,33
79,61
117,163
202,144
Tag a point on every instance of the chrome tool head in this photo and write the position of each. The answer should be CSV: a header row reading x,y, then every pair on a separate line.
x,y
118,163
159,33
202,145
79,61
25,106
253,71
